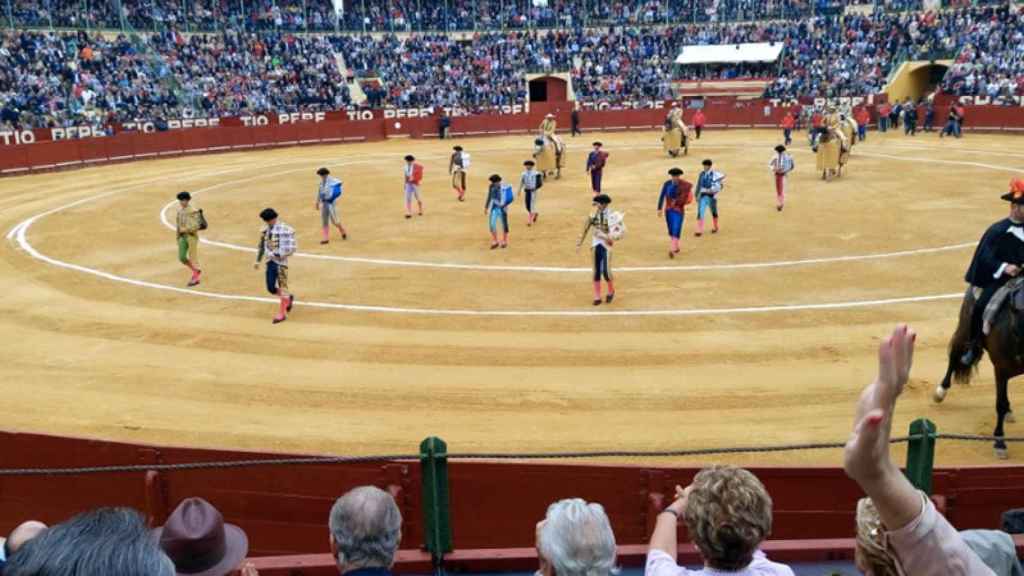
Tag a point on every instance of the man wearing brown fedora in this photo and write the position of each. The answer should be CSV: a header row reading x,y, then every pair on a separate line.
x,y
366,529
199,542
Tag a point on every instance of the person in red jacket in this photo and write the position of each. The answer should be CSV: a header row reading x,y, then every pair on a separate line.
x,y
788,123
817,127
883,116
698,122
413,177
862,117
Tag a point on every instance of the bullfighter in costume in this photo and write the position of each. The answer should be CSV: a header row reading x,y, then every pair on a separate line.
x,y
413,178
596,161
496,209
189,223
277,242
781,165
676,193
458,166
327,196
530,183
599,225
709,185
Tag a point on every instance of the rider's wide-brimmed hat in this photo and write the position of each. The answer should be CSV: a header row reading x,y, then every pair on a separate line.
x,y
1016,193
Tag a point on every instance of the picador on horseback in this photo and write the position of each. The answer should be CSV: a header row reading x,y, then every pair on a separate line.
x,y
997,260
992,312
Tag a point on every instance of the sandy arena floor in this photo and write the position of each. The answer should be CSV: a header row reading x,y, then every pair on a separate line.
x,y
761,334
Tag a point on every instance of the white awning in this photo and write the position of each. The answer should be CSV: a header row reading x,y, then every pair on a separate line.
x,y
730,53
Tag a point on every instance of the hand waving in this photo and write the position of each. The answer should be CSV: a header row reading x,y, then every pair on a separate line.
x,y
867,452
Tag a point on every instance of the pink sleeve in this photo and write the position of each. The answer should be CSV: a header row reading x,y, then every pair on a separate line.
x,y
661,564
930,546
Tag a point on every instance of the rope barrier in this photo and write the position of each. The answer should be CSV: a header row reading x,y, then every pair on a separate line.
x,y
184,466
214,465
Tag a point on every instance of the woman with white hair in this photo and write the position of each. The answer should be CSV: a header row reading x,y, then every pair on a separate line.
x,y
728,513
576,539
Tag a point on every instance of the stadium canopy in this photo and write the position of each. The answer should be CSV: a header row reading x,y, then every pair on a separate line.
x,y
730,53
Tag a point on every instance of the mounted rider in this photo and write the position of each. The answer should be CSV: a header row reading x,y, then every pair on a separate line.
x,y
547,132
998,259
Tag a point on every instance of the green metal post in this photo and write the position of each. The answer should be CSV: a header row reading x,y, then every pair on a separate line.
x,y
437,529
921,454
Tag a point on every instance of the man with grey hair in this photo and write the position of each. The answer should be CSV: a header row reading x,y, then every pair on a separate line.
x,y
366,529
102,542
576,539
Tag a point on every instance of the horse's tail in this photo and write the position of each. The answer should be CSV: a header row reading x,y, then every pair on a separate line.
x,y
960,342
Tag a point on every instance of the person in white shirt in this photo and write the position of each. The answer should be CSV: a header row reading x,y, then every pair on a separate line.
x,y
728,513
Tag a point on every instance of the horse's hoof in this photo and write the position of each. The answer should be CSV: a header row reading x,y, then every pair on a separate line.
x,y
1010,418
1002,454
939,395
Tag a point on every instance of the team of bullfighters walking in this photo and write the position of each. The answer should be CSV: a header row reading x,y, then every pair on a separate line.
x,y
277,241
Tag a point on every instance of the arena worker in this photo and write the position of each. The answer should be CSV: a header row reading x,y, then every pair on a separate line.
x,y
699,121
918,539
788,123
709,185
728,513
277,242
781,165
327,196
676,193
413,178
575,538
188,224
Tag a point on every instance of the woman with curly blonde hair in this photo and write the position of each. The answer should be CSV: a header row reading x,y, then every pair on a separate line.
x,y
728,514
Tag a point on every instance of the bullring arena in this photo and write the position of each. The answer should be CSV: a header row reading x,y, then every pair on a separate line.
x,y
761,334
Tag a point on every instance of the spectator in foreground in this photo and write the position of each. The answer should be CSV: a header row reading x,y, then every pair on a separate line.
x,y
366,529
994,547
728,514
919,540
21,535
576,539
101,542
199,542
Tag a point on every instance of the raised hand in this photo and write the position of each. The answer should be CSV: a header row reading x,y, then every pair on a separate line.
x,y
866,456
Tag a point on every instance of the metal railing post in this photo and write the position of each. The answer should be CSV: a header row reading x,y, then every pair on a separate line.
x,y
437,531
921,454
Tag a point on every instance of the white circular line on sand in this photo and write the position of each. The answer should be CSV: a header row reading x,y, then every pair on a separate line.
x,y
567,269
19,234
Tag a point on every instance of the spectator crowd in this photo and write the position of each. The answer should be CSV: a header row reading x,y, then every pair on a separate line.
x,y
727,512
54,79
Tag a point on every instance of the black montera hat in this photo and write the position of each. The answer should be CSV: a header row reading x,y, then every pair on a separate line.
x,y
780,148
602,199
706,162
268,214
323,172
675,172
184,196
457,148
598,144
529,163
410,158
495,178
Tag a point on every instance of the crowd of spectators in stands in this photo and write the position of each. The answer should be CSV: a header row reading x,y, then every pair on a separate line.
x,y
84,78
419,15
727,512
992,60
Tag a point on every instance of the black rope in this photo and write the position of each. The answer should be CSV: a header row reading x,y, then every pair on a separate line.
x,y
185,466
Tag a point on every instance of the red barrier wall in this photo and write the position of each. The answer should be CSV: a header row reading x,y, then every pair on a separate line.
x,y
720,113
284,509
